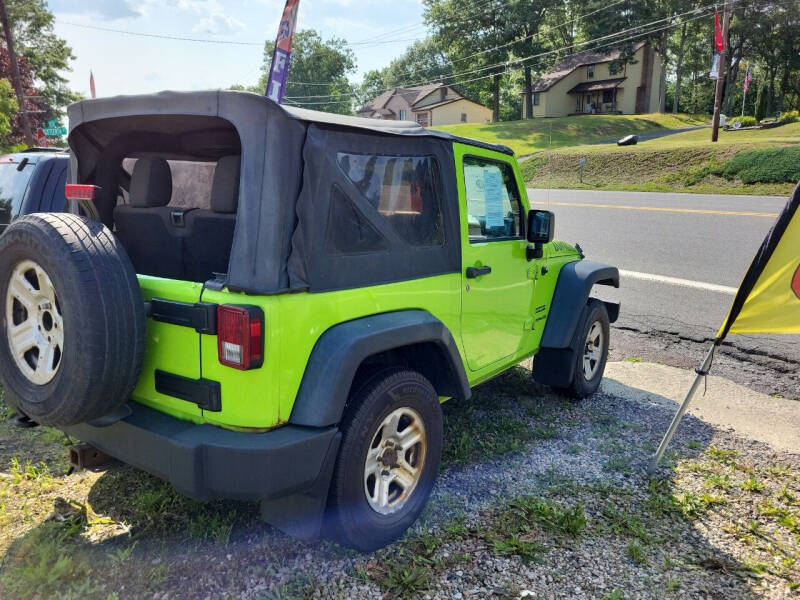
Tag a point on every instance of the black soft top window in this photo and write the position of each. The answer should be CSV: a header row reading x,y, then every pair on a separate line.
x,y
13,183
402,189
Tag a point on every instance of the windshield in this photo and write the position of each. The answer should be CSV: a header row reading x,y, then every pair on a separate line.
x,y
13,184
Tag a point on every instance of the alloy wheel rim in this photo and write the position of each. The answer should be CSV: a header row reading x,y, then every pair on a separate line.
x,y
593,351
395,460
35,325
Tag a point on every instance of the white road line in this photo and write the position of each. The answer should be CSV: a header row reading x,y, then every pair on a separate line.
x,y
699,285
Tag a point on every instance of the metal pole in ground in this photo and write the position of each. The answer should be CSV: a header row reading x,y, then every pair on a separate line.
x,y
723,69
701,372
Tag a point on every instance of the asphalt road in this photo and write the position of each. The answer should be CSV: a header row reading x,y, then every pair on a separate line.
x,y
682,256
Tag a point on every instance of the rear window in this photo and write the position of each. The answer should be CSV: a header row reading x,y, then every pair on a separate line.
x,y
13,184
402,189
191,182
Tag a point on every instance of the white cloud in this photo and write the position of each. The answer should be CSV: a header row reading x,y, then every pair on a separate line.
x,y
105,9
218,23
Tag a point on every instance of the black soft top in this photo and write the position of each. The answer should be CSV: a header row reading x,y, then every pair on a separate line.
x,y
252,113
288,168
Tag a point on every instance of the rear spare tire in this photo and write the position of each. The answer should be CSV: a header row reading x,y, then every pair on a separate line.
x,y
73,333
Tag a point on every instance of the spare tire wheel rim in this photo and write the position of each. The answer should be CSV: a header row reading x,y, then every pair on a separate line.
x,y
395,460
35,326
593,351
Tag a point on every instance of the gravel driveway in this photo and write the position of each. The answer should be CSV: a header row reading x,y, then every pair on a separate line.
x,y
539,497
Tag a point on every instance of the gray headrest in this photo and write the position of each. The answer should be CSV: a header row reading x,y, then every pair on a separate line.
x,y
225,189
151,183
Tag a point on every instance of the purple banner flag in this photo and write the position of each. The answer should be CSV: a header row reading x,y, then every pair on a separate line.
x,y
279,69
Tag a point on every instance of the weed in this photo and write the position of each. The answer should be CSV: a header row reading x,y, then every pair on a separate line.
x,y
121,555
751,484
718,481
619,463
406,582
694,445
633,359
722,454
615,595
525,549
636,553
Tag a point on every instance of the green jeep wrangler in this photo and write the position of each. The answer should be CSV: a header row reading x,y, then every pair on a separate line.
x,y
268,303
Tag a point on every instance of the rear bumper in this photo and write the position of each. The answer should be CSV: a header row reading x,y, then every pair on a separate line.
x,y
206,462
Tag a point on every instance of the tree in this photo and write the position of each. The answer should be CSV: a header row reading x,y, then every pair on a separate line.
x,y
762,101
317,73
477,39
46,54
8,109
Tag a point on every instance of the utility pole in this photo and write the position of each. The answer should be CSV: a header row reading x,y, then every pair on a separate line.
x,y
723,70
23,113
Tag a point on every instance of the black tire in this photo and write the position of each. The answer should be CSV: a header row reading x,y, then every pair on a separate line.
x,y
351,519
580,387
100,305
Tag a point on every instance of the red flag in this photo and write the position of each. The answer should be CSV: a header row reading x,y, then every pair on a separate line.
x,y
91,84
718,41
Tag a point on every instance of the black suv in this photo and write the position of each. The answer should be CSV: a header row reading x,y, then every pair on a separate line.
x,y
32,181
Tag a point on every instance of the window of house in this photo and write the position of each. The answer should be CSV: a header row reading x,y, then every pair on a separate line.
x,y
422,119
443,94
590,71
494,211
404,190
402,114
536,98
613,67
608,96
463,117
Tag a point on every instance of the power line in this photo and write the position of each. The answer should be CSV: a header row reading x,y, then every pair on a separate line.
x,y
508,67
546,53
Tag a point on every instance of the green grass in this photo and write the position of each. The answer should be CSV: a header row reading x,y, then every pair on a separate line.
x,y
534,135
762,162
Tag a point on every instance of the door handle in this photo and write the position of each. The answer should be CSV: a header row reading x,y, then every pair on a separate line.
x,y
473,272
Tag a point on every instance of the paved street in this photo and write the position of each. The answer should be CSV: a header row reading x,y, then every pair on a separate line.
x,y
681,256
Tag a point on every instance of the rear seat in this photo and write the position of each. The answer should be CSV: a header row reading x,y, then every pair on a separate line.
x,y
185,244
207,248
143,225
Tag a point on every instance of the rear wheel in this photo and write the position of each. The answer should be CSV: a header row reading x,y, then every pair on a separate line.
x,y
388,460
592,352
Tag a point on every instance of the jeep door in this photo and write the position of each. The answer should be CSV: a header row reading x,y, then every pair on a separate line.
x,y
496,293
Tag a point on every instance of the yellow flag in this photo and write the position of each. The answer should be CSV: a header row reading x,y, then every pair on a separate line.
x,y
768,301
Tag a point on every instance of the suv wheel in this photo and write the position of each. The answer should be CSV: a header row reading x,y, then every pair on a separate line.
x,y
592,352
73,319
388,460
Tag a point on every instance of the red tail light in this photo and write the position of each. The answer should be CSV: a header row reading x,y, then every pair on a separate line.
x,y
240,336
74,191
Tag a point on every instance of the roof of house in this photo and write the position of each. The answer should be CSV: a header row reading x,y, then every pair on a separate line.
x,y
411,94
596,86
572,62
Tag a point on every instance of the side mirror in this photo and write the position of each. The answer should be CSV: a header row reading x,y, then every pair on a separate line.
x,y
540,226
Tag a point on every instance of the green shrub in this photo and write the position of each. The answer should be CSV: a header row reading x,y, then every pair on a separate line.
x,y
791,116
746,121
773,165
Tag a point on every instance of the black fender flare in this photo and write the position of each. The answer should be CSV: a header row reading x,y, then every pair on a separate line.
x,y
340,351
575,282
554,363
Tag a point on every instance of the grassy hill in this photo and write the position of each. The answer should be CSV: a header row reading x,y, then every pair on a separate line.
x,y
768,163
535,135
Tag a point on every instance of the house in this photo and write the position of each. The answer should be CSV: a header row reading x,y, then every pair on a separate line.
x,y
592,82
427,105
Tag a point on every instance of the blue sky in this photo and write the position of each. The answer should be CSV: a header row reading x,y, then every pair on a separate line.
x,y
124,64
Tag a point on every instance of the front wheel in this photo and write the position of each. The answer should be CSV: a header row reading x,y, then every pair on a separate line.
x,y
388,460
592,352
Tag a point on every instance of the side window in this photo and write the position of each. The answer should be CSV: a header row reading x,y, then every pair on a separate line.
x,y
404,190
349,232
494,211
13,184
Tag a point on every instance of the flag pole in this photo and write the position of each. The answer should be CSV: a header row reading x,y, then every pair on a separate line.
x,y
744,95
701,372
